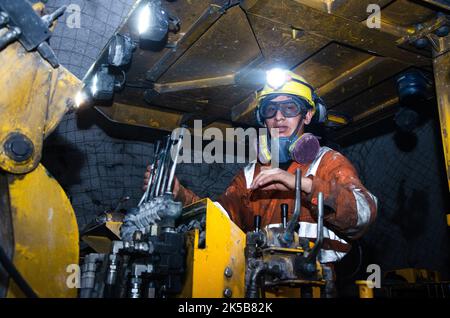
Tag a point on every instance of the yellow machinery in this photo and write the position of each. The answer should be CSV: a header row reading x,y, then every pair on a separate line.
x,y
39,231
217,269
198,252
215,261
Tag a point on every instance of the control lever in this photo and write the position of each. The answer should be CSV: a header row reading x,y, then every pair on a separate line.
x,y
152,173
284,214
169,188
288,235
318,243
257,222
306,265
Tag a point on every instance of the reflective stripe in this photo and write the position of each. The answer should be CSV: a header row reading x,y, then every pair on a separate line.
x,y
315,164
330,256
309,230
362,209
249,172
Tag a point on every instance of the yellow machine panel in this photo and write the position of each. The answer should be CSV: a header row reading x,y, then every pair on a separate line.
x,y
45,234
218,269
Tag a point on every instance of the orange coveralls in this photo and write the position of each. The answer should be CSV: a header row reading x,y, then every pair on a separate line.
x,y
349,206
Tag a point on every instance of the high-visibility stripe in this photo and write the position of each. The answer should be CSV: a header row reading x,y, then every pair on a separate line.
x,y
309,230
363,210
249,172
330,256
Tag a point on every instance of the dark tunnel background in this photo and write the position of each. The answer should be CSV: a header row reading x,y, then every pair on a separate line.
x,y
97,163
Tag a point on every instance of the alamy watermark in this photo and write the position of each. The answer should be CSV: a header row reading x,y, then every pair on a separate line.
x,y
234,145
374,19
73,20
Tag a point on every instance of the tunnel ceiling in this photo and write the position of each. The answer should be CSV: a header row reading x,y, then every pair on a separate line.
x,y
209,69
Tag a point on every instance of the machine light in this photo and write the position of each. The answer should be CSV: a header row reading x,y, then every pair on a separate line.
x,y
153,22
82,99
276,78
103,84
120,50
94,85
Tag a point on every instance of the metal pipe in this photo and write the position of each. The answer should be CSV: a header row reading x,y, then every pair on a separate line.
x,y
175,163
152,173
318,243
49,18
284,214
288,233
165,176
252,290
161,167
9,37
157,173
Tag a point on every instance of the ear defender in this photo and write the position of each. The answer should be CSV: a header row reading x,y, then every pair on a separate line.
x,y
321,113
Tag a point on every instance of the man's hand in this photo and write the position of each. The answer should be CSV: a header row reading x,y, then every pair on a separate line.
x,y
176,183
280,180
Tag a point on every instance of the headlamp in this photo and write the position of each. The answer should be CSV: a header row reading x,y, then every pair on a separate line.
x,y
277,78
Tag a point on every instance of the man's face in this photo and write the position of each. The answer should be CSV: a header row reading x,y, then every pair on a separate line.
x,y
286,125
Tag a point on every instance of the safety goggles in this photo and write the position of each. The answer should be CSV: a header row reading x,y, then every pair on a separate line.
x,y
289,108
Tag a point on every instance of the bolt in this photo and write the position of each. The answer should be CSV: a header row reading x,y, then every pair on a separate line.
x,y
18,147
228,272
227,293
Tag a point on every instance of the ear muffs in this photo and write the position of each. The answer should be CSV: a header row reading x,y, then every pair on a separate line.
x,y
259,119
321,113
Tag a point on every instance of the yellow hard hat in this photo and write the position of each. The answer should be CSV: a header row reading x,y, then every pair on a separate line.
x,y
281,81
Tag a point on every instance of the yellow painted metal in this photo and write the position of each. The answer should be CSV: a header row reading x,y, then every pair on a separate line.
x,y
286,292
335,119
38,7
100,244
225,244
364,290
441,64
45,234
283,292
415,275
448,219
316,292
151,117
100,237
33,98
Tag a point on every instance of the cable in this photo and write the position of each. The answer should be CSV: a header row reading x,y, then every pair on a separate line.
x,y
15,275
359,263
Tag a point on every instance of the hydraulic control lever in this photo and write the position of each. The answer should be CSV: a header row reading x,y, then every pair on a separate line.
x,y
288,234
306,264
